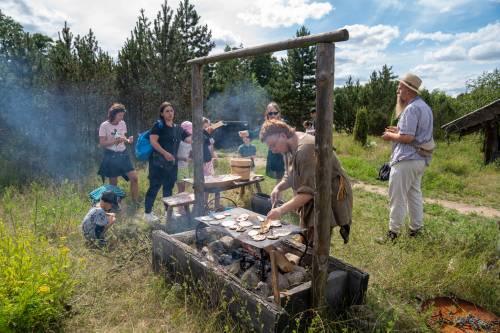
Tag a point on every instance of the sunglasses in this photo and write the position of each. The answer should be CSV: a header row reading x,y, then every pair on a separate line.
x,y
273,113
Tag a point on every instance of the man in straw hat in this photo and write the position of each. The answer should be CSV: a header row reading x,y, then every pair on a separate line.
x,y
411,153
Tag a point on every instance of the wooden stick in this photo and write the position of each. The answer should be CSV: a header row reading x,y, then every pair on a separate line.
x,y
197,114
327,37
274,279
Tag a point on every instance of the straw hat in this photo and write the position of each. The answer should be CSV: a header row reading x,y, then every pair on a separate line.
x,y
411,81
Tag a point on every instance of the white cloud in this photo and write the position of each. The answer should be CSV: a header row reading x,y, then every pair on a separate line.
x,y
482,44
431,70
487,51
223,37
443,6
364,49
390,4
488,33
277,13
437,36
450,53
440,6
377,36
34,16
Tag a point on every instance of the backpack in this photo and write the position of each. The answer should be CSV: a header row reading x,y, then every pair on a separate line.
x,y
143,148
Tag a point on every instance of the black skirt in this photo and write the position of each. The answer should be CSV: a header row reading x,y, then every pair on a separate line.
x,y
115,164
275,167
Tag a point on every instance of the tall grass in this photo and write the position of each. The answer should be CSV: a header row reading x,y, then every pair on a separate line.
x,y
36,263
65,284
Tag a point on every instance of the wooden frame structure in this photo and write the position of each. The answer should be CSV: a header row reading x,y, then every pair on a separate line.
x,y
324,106
486,118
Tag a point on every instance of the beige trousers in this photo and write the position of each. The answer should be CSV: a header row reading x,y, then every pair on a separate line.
x,y
405,194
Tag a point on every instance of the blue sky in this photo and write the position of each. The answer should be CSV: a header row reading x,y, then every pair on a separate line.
x,y
446,42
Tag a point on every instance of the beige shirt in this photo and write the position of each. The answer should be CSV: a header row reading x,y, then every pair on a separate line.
x,y
109,130
301,176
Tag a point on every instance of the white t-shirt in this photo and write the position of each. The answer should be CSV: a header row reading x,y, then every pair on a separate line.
x,y
109,131
183,152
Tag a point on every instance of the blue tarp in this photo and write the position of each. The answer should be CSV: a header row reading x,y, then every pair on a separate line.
x,y
95,195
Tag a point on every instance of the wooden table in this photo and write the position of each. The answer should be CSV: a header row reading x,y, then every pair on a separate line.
x,y
216,190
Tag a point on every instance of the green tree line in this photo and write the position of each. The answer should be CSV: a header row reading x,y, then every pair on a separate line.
x,y
55,93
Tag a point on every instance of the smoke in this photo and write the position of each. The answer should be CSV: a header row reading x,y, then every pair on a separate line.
x,y
45,133
241,101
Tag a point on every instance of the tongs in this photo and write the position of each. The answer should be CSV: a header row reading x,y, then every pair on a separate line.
x,y
266,225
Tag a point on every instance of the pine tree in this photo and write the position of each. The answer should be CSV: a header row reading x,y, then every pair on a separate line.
x,y
194,41
360,133
294,88
380,97
135,75
263,67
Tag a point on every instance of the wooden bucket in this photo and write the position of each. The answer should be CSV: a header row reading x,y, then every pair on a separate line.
x,y
241,167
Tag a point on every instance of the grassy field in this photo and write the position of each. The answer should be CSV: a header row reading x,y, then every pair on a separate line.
x,y
115,290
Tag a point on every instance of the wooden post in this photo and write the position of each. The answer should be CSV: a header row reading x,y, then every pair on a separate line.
x,y
322,198
490,141
327,37
197,115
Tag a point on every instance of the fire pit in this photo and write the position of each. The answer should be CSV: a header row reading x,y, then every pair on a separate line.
x,y
234,271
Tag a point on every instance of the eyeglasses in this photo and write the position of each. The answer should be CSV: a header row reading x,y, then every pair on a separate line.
x,y
275,113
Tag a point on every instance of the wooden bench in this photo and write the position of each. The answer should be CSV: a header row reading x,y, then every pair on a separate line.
x,y
183,199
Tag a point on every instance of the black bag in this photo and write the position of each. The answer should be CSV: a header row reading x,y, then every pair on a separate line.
x,y
261,203
384,172
158,161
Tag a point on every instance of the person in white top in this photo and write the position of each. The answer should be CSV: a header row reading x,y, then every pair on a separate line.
x,y
184,157
116,161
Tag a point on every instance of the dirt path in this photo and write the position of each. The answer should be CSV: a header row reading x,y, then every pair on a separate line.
x,y
458,206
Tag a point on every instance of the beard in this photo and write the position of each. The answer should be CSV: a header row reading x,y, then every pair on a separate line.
x,y
400,106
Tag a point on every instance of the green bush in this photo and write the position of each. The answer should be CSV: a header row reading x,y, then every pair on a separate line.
x,y
360,132
35,264
34,288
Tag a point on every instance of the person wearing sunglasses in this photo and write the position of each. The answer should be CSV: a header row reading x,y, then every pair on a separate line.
x,y
275,165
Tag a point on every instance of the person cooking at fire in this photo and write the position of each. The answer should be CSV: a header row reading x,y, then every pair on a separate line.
x,y
300,159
